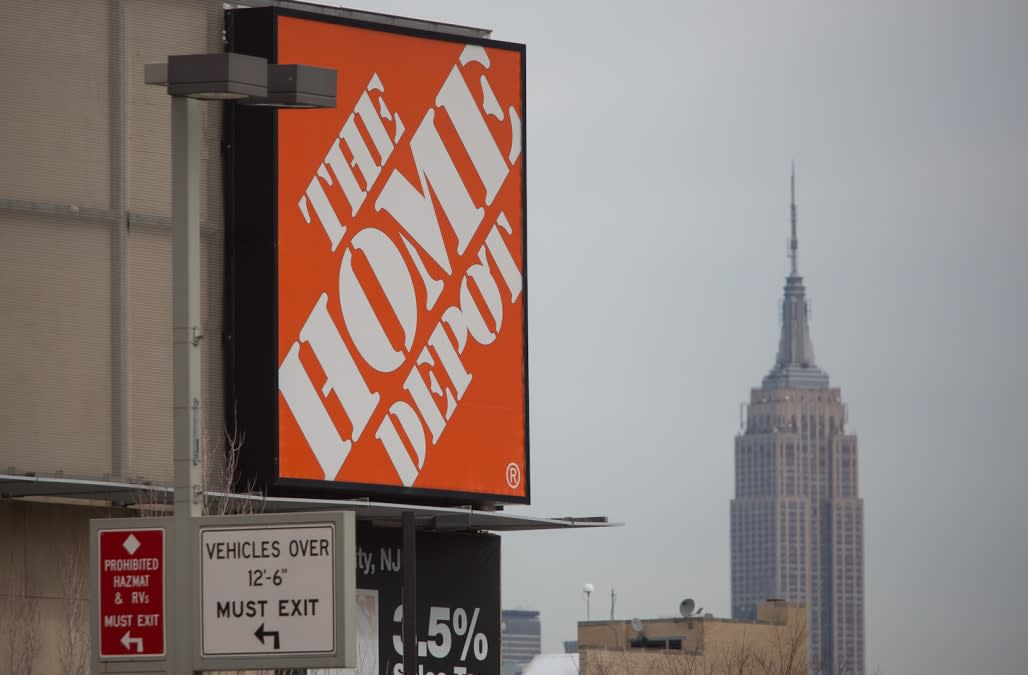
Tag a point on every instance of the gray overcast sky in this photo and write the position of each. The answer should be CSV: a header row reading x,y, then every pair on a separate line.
x,y
659,142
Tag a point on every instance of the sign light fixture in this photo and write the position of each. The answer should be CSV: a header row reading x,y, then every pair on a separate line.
x,y
299,86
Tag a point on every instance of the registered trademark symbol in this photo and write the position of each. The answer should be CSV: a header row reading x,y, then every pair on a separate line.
x,y
513,475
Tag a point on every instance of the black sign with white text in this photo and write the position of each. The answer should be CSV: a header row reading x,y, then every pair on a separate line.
x,y
458,600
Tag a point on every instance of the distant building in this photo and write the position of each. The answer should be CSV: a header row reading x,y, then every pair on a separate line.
x,y
521,635
775,642
797,518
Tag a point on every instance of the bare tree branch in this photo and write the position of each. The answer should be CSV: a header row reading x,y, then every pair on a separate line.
x,y
74,653
20,622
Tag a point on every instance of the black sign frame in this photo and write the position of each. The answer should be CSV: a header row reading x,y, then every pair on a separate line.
x,y
251,280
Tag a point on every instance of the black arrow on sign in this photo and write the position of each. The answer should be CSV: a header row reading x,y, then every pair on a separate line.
x,y
260,634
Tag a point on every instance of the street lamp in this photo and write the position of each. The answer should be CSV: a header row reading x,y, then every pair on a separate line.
x,y
249,80
587,592
212,77
190,78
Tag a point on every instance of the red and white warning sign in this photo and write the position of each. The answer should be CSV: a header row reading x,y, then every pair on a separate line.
x,y
132,582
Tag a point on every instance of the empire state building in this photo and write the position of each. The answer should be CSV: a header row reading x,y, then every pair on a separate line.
x,y
797,518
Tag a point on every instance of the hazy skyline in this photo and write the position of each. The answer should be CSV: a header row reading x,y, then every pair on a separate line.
x,y
660,137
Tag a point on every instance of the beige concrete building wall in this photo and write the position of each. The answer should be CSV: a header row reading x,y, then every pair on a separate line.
x,y
193,26
85,283
44,569
55,102
617,634
85,289
55,394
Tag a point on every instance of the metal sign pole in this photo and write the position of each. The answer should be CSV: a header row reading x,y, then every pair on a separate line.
x,y
185,260
410,598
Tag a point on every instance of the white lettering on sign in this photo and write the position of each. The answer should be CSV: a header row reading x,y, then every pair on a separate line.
x,y
435,217
388,560
131,564
118,621
268,589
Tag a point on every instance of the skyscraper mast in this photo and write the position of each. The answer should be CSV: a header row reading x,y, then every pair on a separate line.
x,y
793,243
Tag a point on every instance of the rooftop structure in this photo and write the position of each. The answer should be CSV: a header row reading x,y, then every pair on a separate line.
x,y
776,638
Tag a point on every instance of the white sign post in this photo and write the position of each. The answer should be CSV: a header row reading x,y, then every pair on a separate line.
x,y
276,591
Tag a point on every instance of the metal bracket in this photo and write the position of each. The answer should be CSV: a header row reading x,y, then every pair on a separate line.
x,y
196,432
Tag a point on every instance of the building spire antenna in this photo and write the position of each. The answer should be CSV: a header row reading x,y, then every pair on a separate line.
x,y
793,243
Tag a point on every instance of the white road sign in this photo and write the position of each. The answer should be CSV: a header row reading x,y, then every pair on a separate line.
x,y
268,590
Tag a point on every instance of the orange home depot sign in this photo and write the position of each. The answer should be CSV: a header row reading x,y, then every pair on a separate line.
x,y
399,259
